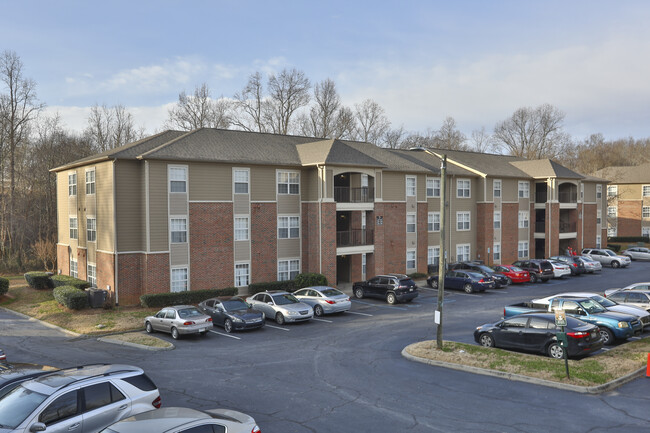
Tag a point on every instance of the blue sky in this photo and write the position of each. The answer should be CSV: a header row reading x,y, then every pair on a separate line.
x,y
476,61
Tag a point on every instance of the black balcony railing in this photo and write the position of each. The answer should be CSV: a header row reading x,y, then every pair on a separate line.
x,y
540,227
343,194
568,196
354,238
567,227
540,197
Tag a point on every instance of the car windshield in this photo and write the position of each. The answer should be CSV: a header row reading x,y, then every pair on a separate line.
x,y
475,275
186,313
516,269
603,301
592,307
18,405
485,269
331,292
610,253
285,299
234,304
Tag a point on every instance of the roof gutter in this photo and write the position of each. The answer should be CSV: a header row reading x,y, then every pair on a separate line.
x,y
80,164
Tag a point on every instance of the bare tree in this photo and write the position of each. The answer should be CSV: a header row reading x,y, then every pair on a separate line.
x,y
250,106
533,133
482,141
327,118
428,139
288,92
199,110
112,127
394,138
449,136
372,121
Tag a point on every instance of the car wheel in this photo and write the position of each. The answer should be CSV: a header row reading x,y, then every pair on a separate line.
x,y
148,328
616,264
358,292
391,299
433,283
227,326
279,319
607,336
533,278
468,288
555,351
508,281
318,310
486,340
175,334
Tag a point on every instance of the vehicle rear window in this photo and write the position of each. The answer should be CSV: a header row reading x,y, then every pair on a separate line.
x,y
406,282
546,265
141,382
189,312
331,292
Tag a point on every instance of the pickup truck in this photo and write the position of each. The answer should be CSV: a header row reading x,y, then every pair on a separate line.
x,y
612,325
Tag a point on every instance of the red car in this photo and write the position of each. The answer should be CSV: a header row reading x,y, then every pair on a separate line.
x,y
514,274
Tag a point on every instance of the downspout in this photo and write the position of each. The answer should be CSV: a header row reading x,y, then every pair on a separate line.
x,y
117,267
320,226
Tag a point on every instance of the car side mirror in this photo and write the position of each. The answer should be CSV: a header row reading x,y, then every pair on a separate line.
x,y
39,426
270,303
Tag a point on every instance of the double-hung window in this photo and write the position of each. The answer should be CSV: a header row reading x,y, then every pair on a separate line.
x,y
434,222
241,228
612,190
496,251
90,182
179,279
288,269
92,274
599,192
599,216
463,188
611,211
646,190
240,179
242,273
497,188
91,229
288,227
74,228
410,186
522,249
410,259
410,222
524,189
177,179
645,212
462,221
462,252
523,219
288,182
72,184
497,219
74,272
433,187
433,256
178,230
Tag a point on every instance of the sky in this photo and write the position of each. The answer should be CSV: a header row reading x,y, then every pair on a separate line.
x,y
422,61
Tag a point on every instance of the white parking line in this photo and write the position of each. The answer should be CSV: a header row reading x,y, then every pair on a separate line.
x,y
321,320
276,327
381,306
360,314
225,335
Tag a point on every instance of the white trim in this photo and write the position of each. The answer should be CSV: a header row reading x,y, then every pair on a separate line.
x,y
63,245
248,182
288,216
415,258
104,252
186,168
147,227
171,277
234,268
86,171
143,252
415,222
415,186
361,249
288,260
464,179
209,201
277,183
469,214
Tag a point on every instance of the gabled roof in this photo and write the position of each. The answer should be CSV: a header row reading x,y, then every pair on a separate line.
x,y
631,174
334,152
390,160
544,168
484,164
430,162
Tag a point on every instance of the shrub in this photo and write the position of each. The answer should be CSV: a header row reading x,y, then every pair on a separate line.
x,y
417,275
4,286
628,239
38,280
66,280
309,279
287,286
71,297
159,300
614,247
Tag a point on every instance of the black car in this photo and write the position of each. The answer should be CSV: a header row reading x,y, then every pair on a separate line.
x,y
500,280
468,281
233,314
392,287
13,374
536,332
574,263
539,270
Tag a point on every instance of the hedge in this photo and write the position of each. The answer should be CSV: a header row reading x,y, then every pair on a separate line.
x,y
4,285
417,275
38,280
310,279
180,298
71,297
614,247
629,239
287,286
66,280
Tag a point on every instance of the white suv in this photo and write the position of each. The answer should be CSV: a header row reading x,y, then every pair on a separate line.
x,y
607,257
81,399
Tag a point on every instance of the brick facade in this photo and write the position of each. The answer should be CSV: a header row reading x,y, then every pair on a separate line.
x,y
328,241
264,242
509,232
141,273
394,235
106,273
484,231
628,221
310,237
63,259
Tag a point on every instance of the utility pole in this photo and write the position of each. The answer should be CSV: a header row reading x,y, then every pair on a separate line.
x,y
441,261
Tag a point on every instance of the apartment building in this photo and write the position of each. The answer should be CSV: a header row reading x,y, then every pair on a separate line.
x,y
628,200
219,208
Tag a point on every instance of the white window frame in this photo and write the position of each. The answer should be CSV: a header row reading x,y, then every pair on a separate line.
x,y
463,188
433,253
91,229
523,219
582,191
598,241
91,274
364,180
497,219
463,221
290,223
433,185
411,256
411,186
364,264
645,212
523,189
599,191
433,222
463,252
288,179
240,176
363,220
612,231
523,249
288,269
411,222
645,190
242,274
72,184
496,251
612,190
645,231
181,284
177,177
74,268
497,185
178,224
612,211
74,227
599,216
90,182
241,227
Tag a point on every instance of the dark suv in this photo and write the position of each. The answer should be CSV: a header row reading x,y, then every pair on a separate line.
x,y
500,280
538,269
392,287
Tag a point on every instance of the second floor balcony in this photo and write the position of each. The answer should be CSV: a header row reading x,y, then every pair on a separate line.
x,y
344,194
566,227
354,238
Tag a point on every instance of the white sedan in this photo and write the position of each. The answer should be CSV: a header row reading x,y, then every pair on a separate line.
x,y
560,269
324,299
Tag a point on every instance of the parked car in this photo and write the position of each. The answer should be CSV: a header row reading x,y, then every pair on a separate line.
x,y
182,419
607,257
575,263
281,306
232,314
500,280
179,320
513,273
591,265
535,332
324,299
13,374
560,270
3,357
391,287
539,270
637,298
635,286
463,280
82,399
637,253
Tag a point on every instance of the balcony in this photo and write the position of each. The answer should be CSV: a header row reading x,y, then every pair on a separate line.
x,y
567,227
540,226
540,196
344,194
354,238
568,197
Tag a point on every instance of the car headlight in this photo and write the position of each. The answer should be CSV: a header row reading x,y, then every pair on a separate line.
x,y
623,325
237,319
292,313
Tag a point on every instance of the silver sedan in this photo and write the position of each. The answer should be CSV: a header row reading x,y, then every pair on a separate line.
x,y
591,265
281,306
637,253
179,320
324,299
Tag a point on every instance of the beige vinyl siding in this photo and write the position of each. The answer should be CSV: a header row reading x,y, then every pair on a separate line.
x,y
210,182
355,180
421,187
394,186
464,237
490,188
129,188
177,203
158,202
81,205
523,233
242,251
91,252
590,192
64,211
478,192
288,248
378,184
329,182
288,204
105,212
628,191
179,254
241,204
309,185
263,185
510,190
434,239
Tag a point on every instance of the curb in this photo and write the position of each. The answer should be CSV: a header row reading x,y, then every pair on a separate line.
x,y
136,345
49,325
520,378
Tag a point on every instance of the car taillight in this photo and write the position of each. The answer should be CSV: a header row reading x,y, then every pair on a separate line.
x,y
481,280
188,323
575,265
157,403
330,302
209,319
577,334
256,429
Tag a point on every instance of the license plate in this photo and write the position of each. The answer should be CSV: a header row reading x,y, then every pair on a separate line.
x,y
411,289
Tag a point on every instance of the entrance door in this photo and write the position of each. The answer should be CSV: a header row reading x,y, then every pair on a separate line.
x,y
342,269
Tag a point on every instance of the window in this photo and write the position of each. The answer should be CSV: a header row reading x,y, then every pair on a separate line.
x,y
497,219
241,228
178,230
364,181
646,190
597,241
242,271
73,268
646,212
74,228
100,395
410,223
522,250
497,188
599,191
410,186
463,188
288,182
90,182
92,274
363,264
288,227
433,187
72,184
599,215
433,256
582,191
410,259
524,188
645,231
288,269
611,232
240,177
205,428
523,219
496,251
91,229
63,407
462,252
179,279
177,179
434,222
462,221
612,190
611,211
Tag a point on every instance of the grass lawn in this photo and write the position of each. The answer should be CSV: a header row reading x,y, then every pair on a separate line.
x,y
41,305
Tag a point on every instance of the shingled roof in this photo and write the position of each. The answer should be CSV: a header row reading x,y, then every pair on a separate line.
x,y
630,174
544,168
486,164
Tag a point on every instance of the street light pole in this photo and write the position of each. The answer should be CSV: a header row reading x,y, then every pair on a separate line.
x,y
441,259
